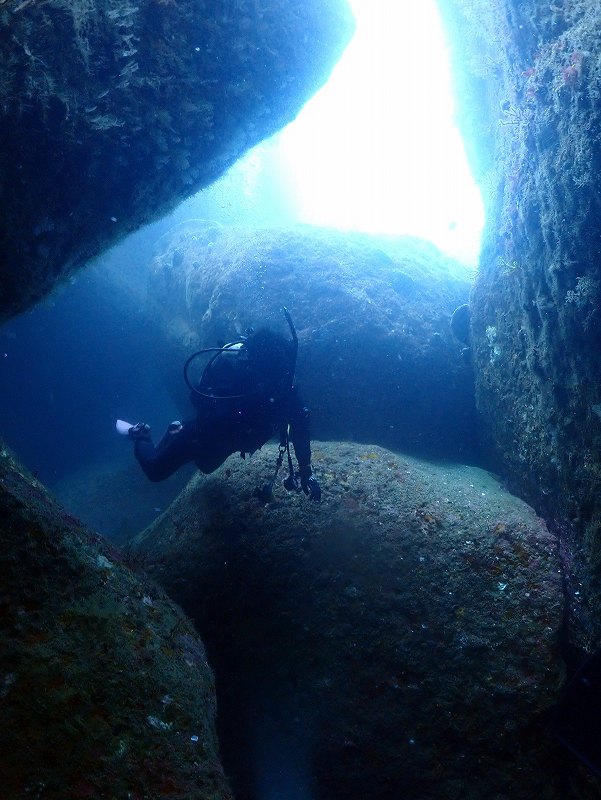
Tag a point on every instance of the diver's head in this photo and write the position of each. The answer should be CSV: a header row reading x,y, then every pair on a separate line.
x,y
261,363
271,360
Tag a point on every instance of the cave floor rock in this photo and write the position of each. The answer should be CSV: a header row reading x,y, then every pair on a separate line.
x,y
398,639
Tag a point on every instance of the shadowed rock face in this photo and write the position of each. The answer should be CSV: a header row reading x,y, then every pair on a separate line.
x,y
375,645
530,80
377,360
112,112
396,640
103,682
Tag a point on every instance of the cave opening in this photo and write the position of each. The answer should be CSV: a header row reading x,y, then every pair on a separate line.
x,y
376,150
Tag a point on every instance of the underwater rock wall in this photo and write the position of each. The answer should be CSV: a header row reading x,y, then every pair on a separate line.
x,y
111,112
105,690
529,83
377,359
398,639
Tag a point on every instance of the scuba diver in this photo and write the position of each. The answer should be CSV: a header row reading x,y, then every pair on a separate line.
x,y
245,395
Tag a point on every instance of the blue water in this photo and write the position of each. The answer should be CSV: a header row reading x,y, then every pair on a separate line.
x,y
68,368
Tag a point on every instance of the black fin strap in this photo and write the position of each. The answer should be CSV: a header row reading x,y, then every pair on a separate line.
x,y
290,467
278,464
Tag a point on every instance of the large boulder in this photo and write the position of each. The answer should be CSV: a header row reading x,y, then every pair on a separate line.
x,y
105,690
397,640
377,359
111,112
530,82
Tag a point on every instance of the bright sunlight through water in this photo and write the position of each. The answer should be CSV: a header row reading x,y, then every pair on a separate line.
x,y
377,149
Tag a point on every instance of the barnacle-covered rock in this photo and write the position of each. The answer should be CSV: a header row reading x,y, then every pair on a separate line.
x,y
530,82
399,639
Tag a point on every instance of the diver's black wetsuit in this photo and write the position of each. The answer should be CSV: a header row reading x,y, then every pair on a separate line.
x,y
223,427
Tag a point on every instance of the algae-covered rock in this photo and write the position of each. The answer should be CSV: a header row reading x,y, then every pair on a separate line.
x,y
399,639
113,111
531,82
105,690
377,359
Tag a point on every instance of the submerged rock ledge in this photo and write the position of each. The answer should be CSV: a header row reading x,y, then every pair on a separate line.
x,y
398,639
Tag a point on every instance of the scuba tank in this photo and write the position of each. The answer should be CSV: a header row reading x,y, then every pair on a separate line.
x,y
229,373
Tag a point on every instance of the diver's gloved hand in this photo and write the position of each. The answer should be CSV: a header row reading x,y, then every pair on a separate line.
x,y
309,484
138,432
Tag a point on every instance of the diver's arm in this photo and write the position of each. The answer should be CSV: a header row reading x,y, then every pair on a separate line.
x,y
176,448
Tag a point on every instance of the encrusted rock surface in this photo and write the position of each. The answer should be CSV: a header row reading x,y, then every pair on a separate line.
x,y
530,80
105,690
397,640
377,360
111,112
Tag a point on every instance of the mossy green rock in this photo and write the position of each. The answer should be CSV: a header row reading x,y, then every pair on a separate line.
x,y
105,690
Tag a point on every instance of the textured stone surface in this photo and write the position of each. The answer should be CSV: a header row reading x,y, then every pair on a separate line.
x,y
531,82
377,360
113,111
396,640
103,681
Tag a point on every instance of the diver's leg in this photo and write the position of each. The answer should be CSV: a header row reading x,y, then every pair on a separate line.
x,y
176,448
